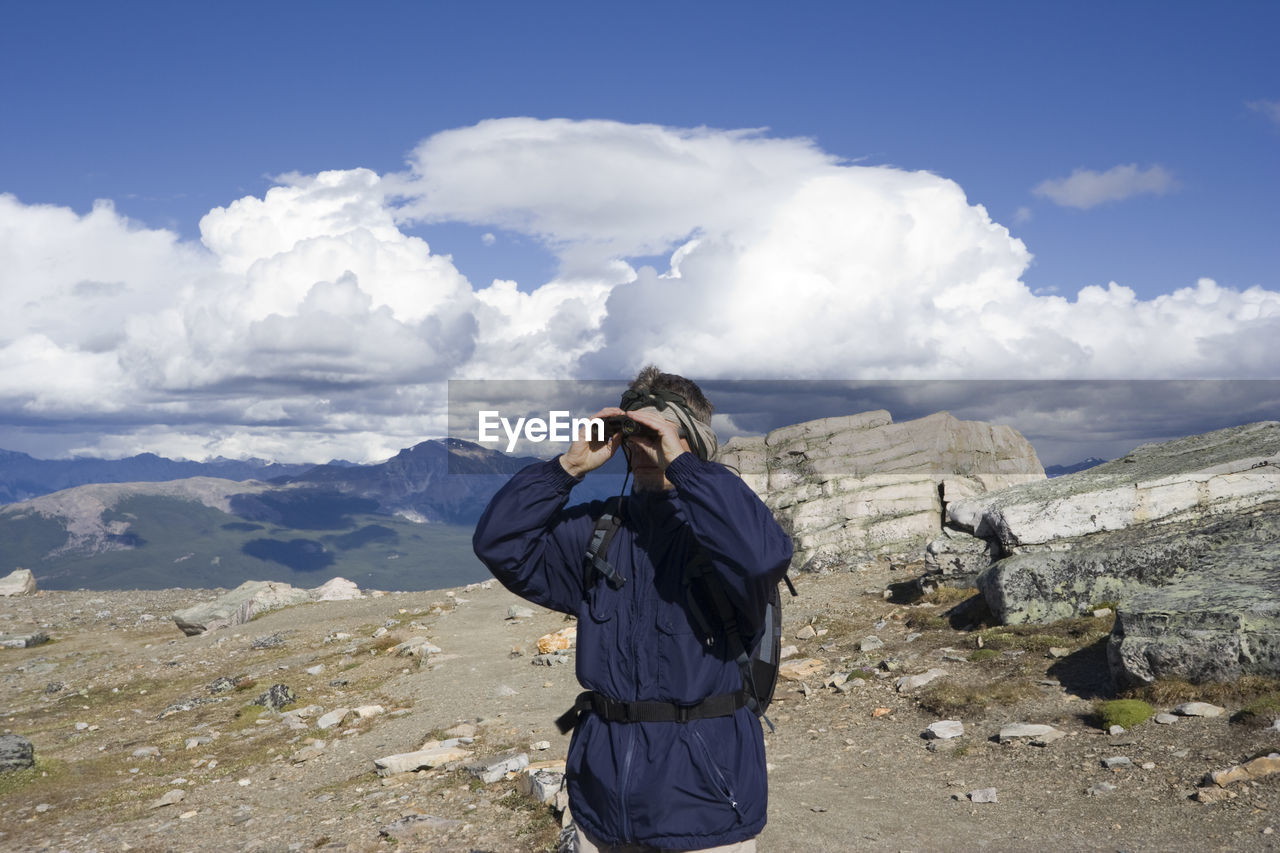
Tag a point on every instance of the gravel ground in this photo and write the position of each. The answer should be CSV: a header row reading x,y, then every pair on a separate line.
x,y
849,771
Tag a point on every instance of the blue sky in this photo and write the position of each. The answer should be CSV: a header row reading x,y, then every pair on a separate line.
x,y
1134,143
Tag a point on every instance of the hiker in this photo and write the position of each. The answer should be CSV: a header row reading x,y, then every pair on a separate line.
x,y
666,753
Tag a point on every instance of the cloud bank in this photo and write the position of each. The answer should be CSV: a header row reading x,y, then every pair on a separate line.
x,y
311,323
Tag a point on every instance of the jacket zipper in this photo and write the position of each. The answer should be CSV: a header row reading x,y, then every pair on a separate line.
x,y
717,776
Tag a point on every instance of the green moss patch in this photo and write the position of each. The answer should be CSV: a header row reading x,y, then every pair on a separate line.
x,y
1126,713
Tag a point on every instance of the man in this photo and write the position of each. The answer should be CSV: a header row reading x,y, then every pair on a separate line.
x,y
664,754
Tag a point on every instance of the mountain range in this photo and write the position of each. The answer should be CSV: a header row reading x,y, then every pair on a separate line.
x,y
153,523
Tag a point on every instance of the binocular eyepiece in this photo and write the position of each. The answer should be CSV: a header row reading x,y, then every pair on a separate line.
x,y
623,424
615,424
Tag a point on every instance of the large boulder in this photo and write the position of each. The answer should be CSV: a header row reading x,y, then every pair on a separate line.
x,y
851,488
1183,536
18,582
238,606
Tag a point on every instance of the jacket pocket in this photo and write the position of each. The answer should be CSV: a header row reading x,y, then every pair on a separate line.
x,y
602,601
714,773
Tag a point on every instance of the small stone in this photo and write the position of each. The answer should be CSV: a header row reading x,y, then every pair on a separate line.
x,y
799,670
870,644
983,795
1148,765
81,726
806,633
1209,796
1116,761
550,660
503,690
1115,730
244,783
565,638
314,670
542,745
170,798
788,652
1101,789
519,611
364,712
1030,731
493,769
1103,613
1198,709
147,752
411,825
913,682
1166,719
945,729
1058,652
334,718
881,712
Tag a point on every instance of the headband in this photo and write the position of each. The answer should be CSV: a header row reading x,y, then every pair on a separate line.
x,y
672,407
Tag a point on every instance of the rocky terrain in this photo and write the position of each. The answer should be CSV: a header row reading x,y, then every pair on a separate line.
x,y
148,739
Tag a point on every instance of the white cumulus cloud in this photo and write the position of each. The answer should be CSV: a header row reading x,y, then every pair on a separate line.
x,y
1085,188
310,324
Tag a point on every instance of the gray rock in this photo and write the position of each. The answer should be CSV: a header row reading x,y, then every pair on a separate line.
x,y
270,641
276,697
18,582
983,795
852,488
541,785
221,684
519,611
945,729
410,826
493,769
1101,789
1030,731
238,606
914,682
956,559
16,753
1116,761
870,644
1199,709
333,718
23,641
1166,719
550,659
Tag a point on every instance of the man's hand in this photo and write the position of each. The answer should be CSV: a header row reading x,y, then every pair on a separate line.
x,y
669,445
587,455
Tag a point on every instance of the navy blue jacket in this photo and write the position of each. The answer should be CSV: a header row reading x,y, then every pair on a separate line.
x,y
675,785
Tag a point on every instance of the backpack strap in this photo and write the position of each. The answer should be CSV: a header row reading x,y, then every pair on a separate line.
x,y
606,528
699,572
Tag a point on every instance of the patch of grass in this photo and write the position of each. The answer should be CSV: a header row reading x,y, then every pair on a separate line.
x,y
247,717
1260,712
984,654
1126,713
928,621
949,596
1067,633
946,699
1173,691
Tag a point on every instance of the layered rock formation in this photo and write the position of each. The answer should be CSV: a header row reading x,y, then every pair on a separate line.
x,y
851,488
1183,536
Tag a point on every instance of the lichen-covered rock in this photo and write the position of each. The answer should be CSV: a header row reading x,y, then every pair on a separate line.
x,y
1218,622
16,753
276,697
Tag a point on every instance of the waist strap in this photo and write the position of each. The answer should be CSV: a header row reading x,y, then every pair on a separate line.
x,y
615,711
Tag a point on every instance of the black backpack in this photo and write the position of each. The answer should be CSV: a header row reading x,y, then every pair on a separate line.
x,y
758,665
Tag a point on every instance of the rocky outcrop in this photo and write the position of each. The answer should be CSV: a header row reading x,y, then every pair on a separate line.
x,y
18,582
850,488
1184,536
